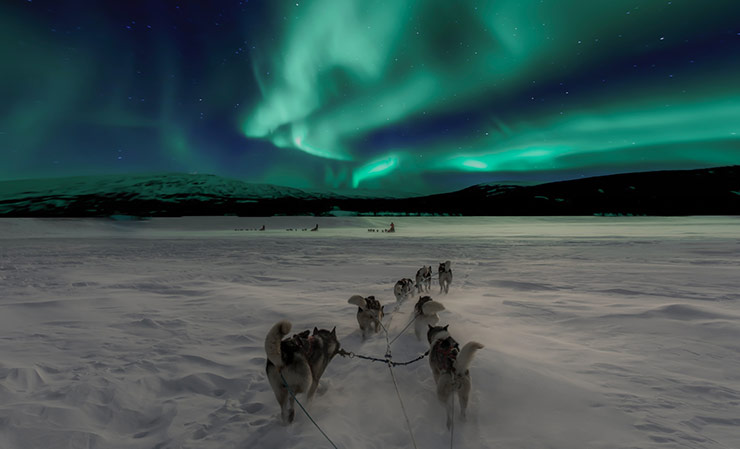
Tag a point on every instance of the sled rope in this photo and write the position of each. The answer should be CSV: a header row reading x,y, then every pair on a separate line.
x,y
285,382
452,426
404,329
352,355
403,409
388,357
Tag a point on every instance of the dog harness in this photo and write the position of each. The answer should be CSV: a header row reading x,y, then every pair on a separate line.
x,y
372,303
407,286
444,353
306,344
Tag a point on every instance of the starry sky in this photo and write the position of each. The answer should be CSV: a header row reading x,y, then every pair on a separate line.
x,y
397,96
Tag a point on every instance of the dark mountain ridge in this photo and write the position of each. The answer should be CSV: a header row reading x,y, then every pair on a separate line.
x,y
714,191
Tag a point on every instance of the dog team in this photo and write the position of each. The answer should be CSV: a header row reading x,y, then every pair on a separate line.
x,y
297,362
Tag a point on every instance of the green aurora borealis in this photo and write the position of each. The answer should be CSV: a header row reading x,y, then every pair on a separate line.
x,y
398,95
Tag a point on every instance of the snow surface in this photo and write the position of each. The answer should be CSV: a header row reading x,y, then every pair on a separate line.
x,y
598,332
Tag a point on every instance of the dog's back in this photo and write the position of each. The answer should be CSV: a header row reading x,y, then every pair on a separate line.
x,y
403,288
424,278
286,367
445,276
442,355
323,347
425,311
450,368
297,363
369,313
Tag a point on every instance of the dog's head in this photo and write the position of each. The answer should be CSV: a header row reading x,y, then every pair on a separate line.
x,y
437,333
444,266
329,338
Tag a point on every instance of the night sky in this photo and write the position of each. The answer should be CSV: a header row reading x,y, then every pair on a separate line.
x,y
395,95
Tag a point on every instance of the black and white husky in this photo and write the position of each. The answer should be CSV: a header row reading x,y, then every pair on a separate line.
x,y
369,314
445,277
297,363
403,289
450,366
425,311
424,279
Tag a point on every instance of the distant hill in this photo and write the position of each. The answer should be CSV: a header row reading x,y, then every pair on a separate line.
x,y
713,191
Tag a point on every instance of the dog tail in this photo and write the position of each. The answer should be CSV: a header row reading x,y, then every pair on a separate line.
x,y
359,301
273,339
465,358
431,307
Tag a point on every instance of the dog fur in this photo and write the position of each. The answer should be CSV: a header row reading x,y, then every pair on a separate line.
x,y
450,368
445,276
403,289
301,359
425,311
424,279
369,314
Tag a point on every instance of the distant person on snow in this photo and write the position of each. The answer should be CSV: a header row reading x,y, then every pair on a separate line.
x,y
262,228
392,228
315,228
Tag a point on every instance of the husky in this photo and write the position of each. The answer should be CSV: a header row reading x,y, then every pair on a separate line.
x,y
297,363
424,279
369,314
450,366
445,277
425,314
403,289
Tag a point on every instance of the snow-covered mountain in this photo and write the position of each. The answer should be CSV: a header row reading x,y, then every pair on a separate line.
x,y
159,194
158,186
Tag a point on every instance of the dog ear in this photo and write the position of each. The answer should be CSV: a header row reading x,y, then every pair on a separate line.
x,y
315,330
430,326
445,328
334,332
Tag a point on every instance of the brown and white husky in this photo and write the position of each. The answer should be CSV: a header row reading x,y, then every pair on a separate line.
x,y
450,368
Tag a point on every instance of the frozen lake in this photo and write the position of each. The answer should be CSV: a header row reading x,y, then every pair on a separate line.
x,y
599,332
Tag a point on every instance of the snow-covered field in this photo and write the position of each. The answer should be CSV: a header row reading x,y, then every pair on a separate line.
x,y
598,332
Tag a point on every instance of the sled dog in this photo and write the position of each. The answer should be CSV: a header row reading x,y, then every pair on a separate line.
x,y
425,311
403,289
300,360
369,314
450,368
424,279
445,277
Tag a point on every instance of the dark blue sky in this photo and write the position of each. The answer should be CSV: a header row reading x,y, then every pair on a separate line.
x,y
396,95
